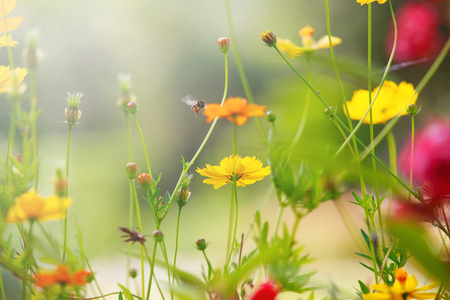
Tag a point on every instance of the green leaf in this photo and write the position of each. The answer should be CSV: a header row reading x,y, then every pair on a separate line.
x,y
364,288
126,292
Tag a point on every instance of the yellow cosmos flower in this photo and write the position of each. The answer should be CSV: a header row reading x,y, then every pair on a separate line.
x,y
404,288
391,100
31,206
362,2
245,171
7,41
8,24
308,43
11,79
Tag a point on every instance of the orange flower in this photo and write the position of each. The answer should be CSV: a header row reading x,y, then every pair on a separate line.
x,y
62,276
236,110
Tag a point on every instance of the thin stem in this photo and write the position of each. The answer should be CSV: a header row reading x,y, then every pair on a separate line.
x,y
142,272
2,288
33,120
210,268
136,203
166,259
240,67
176,240
411,161
280,213
69,137
304,117
152,269
230,229
130,196
143,145
234,138
235,224
191,162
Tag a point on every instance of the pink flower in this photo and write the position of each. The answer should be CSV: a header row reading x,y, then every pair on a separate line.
x,y
419,34
431,160
266,291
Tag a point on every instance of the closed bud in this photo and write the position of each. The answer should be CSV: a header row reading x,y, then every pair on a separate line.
x,y
271,116
413,110
158,235
183,193
329,112
32,55
60,183
73,114
224,44
144,180
132,107
132,170
269,38
201,244
133,273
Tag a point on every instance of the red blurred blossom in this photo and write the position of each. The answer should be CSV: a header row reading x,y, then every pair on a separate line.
x,y
266,291
430,162
413,211
419,33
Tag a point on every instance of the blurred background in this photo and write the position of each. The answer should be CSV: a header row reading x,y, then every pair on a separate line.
x,y
169,49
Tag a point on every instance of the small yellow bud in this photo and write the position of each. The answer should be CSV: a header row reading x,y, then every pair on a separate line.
x,y
269,38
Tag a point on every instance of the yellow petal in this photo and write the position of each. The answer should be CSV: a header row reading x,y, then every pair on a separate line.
x,y
415,295
9,24
286,46
324,43
6,6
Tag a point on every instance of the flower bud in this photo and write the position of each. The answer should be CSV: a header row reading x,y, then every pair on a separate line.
x,y
73,114
132,107
133,273
224,44
183,193
132,170
413,110
269,38
60,183
329,112
144,180
271,116
201,244
158,235
32,55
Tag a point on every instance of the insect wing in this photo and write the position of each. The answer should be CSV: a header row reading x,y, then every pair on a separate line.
x,y
189,100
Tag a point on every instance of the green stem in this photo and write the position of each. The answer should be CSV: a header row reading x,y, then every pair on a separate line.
x,y
166,259
280,213
176,240
411,161
33,120
143,145
2,288
234,138
136,203
152,208
304,117
234,191
152,269
142,271
230,228
191,162
69,137
130,196
240,67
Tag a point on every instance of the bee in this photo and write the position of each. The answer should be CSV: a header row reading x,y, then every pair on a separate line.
x,y
196,105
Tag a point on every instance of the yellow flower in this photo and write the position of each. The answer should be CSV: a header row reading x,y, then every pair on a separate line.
x,y
245,171
31,206
308,43
8,24
6,41
370,1
11,79
391,100
404,288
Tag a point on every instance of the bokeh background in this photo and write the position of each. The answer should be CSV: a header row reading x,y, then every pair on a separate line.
x,y
169,49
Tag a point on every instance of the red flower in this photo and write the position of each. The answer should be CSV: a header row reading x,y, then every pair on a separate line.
x,y
266,291
419,34
431,160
